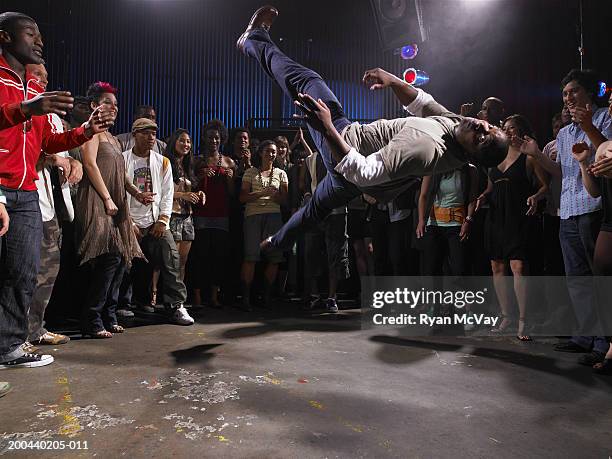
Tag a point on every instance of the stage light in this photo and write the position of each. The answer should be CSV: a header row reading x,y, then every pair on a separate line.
x,y
407,52
603,89
415,77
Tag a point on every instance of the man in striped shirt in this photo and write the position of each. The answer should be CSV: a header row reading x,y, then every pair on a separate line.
x,y
580,213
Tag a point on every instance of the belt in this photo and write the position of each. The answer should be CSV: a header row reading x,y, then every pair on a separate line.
x,y
448,214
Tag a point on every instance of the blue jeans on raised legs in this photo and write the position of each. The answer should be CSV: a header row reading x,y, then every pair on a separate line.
x,y
577,236
334,190
20,261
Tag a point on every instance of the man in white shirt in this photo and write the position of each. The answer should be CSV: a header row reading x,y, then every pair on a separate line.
x,y
152,174
51,242
381,158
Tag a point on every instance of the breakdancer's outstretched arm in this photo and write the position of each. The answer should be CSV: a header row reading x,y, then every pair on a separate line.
x,y
380,79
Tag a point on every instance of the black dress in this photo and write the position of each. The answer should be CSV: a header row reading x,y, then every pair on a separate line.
x,y
507,225
606,201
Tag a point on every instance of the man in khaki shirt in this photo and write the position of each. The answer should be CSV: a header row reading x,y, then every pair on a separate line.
x,y
380,159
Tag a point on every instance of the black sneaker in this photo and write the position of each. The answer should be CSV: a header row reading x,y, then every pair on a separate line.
x,y
28,360
145,308
331,305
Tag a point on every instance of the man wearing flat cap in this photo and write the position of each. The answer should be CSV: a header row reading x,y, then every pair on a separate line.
x,y
151,173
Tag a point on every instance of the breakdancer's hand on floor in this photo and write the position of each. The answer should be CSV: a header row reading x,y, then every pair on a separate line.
x,y
319,117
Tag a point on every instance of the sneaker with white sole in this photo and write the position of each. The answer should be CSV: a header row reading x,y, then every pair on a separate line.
x,y
180,316
28,360
53,339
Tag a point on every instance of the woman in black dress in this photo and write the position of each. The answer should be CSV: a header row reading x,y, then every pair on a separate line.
x,y
512,204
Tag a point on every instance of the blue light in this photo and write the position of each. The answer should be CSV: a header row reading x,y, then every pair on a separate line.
x,y
602,89
409,51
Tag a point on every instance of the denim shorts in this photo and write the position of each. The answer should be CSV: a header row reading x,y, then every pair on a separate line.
x,y
256,229
181,227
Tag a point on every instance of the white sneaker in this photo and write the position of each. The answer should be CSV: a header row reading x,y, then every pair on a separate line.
x,y
28,361
180,316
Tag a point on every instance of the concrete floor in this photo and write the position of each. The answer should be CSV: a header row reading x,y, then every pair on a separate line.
x,y
264,385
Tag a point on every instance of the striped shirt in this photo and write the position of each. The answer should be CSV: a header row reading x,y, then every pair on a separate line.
x,y
575,200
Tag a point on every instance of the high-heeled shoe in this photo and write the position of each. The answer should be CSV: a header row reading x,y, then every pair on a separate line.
x,y
521,330
503,325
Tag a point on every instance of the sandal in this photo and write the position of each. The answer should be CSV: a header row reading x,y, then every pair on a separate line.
x,y
520,332
603,368
154,298
116,329
102,334
503,325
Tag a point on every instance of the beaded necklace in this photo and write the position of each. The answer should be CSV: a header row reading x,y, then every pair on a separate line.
x,y
264,201
261,178
219,160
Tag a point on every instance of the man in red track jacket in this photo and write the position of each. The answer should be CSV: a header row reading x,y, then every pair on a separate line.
x,y
24,133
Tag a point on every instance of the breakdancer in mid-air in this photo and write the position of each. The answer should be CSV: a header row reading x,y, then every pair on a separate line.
x,y
380,159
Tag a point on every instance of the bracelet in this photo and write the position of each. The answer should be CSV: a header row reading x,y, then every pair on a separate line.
x,y
108,199
469,219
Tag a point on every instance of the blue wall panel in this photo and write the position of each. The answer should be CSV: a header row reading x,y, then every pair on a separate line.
x,y
179,55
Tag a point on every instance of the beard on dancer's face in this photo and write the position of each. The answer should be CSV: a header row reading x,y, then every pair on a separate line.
x,y
485,144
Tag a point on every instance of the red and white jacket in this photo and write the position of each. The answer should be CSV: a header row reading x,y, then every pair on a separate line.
x,y
23,139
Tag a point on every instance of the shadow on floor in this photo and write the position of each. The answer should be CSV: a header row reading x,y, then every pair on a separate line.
x,y
555,364
195,354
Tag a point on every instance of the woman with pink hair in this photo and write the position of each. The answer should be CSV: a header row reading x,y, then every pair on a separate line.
x,y
105,238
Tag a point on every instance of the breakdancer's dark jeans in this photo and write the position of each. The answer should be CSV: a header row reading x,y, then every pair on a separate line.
x,y
334,190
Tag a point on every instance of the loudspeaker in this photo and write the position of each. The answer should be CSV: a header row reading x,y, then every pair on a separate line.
x,y
399,22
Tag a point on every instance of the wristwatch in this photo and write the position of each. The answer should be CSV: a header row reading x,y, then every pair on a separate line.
x,y
469,219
